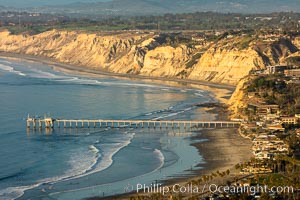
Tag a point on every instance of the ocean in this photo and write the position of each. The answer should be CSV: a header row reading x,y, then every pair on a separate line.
x,y
81,163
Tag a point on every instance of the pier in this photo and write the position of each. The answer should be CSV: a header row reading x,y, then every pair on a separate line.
x,y
52,123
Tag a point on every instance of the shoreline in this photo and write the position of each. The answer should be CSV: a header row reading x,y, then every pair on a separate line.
x,y
219,91
219,155
216,138
221,151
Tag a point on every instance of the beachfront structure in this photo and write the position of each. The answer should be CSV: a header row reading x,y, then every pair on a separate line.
x,y
275,69
255,170
292,72
290,120
275,127
268,146
264,110
101,123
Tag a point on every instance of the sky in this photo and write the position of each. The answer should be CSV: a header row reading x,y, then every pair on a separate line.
x,y
33,3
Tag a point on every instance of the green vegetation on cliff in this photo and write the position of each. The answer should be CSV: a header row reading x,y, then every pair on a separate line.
x,y
275,91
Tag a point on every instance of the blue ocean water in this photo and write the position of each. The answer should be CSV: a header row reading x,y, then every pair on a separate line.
x,y
81,163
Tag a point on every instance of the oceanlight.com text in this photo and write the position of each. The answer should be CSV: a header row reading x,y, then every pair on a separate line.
x,y
213,188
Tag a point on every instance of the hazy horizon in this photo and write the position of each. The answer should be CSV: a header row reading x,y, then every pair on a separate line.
x,y
150,7
34,3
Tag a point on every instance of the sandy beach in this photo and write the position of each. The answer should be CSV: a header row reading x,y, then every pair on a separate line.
x,y
223,149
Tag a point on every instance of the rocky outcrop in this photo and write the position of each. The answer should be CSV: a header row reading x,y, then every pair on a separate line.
x,y
226,66
236,101
229,60
226,60
277,51
166,61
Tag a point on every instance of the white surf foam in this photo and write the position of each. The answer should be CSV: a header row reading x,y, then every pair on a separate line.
x,y
199,94
7,62
161,158
168,115
11,69
93,149
59,77
15,192
6,68
187,109
172,114
37,73
106,157
156,152
80,163
133,85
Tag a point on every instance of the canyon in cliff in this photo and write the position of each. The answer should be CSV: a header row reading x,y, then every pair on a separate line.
x,y
225,59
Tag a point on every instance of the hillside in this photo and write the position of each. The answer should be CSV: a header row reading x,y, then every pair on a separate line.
x,y
224,60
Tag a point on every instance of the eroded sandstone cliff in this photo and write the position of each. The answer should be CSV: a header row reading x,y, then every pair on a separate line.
x,y
225,60
237,99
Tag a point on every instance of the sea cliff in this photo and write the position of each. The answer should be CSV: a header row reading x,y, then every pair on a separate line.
x,y
224,60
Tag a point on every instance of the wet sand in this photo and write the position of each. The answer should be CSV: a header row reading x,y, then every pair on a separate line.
x,y
223,149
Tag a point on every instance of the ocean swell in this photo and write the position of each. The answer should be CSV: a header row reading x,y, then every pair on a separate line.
x,y
81,164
